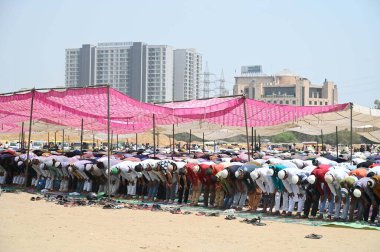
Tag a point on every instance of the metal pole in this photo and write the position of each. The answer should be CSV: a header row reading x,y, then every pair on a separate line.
x,y
351,108
336,142
136,141
190,142
259,143
322,138
117,141
158,140
246,127
253,148
48,145
203,141
63,140
30,134
214,146
81,139
22,136
255,140
154,135
317,145
173,143
108,143
55,139
111,140
93,142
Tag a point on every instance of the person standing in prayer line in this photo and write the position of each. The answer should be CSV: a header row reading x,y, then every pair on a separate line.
x,y
184,186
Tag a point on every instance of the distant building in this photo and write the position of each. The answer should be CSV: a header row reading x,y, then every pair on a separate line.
x,y
285,88
122,65
144,72
187,71
159,82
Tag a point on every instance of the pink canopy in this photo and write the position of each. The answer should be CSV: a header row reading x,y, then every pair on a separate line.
x,y
69,106
230,111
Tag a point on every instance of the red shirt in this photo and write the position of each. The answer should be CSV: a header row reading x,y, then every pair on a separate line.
x,y
190,174
319,174
202,174
217,168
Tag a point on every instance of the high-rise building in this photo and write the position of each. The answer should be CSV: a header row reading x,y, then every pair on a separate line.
x,y
159,73
187,71
285,88
122,65
144,72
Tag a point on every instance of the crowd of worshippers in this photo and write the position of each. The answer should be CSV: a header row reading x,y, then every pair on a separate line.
x,y
322,187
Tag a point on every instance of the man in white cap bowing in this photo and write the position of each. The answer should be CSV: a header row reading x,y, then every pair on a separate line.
x,y
333,178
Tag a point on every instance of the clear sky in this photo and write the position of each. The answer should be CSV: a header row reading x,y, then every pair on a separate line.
x,y
338,40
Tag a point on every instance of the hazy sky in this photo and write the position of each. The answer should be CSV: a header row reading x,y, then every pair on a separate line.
x,y
337,40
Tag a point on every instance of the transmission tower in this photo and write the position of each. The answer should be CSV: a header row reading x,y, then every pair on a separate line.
x,y
222,85
206,82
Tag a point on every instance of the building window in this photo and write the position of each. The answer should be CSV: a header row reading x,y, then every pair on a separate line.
x,y
287,102
275,102
310,102
294,102
325,103
280,102
315,102
320,103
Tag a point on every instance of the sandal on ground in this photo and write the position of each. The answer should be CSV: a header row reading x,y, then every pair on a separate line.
x,y
313,236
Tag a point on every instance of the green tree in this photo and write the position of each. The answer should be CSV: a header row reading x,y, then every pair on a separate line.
x,y
343,138
285,137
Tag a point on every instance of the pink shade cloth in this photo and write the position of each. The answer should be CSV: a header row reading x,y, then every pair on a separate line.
x,y
70,106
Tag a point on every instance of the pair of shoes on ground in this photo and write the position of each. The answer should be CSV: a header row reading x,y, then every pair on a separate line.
x,y
254,221
112,206
230,217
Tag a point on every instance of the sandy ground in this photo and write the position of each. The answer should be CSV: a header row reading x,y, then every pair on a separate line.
x,y
41,226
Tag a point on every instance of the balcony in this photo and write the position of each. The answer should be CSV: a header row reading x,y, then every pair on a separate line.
x,y
278,96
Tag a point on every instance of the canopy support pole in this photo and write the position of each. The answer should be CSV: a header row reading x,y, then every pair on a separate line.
x,y
253,148
136,141
22,136
154,135
81,138
48,141
117,141
30,134
246,127
259,143
63,140
317,147
173,145
108,143
203,141
93,142
214,146
336,141
255,140
190,142
351,108
158,140
111,140
55,139
322,139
